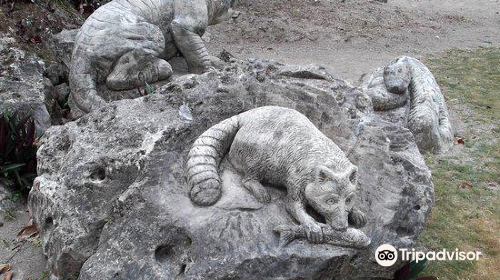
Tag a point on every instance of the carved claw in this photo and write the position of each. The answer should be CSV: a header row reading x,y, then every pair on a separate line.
x,y
324,226
263,196
314,233
209,68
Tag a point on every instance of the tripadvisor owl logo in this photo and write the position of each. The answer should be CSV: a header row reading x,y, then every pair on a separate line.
x,y
386,255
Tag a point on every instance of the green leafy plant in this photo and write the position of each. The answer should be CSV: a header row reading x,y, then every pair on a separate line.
x,y
17,150
148,90
411,271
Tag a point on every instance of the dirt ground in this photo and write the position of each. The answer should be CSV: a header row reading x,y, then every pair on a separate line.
x,y
25,257
349,38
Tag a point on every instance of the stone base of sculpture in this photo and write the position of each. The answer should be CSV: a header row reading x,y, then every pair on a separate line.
x,y
112,199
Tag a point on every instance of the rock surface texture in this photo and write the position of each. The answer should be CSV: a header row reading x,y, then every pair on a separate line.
x,y
406,92
112,200
22,83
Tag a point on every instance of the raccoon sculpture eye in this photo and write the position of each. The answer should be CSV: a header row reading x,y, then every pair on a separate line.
x,y
331,201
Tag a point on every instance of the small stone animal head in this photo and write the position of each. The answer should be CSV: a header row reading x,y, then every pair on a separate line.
x,y
332,194
222,10
397,76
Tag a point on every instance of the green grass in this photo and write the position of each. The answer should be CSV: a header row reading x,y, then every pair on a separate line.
x,y
466,214
44,276
9,216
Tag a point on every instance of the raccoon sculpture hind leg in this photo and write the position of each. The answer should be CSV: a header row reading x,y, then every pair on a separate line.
x,y
257,189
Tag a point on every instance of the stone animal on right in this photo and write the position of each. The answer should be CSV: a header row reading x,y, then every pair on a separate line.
x,y
407,83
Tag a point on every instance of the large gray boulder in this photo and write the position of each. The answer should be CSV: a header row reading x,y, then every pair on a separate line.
x,y
21,83
111,198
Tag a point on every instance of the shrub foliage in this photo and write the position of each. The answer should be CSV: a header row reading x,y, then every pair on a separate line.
x,y
17,150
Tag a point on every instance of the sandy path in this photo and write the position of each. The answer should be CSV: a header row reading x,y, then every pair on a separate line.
x,y
477,25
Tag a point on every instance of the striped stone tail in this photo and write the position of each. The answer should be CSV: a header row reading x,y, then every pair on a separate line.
x,y
203,161
83,97
428,107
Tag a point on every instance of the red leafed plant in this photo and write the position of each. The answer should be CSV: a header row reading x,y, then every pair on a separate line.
x,y
411,271
17,150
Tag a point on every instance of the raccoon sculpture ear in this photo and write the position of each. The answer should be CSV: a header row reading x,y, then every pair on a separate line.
x,y
324,174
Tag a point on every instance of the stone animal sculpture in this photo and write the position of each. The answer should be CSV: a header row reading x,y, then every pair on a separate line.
x,y
128,42
406,80
388,86
281,147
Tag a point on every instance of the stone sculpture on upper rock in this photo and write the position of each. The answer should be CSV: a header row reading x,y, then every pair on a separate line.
x,y
126,44
281,147
405,91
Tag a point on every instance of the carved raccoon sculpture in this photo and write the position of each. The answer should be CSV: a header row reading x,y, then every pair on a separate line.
x,y
128,42
278,146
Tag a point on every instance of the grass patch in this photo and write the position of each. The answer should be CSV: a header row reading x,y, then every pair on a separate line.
x,y
470,78
466,214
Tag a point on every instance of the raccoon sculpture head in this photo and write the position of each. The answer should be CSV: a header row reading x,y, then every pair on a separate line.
x,y
397,76
332,193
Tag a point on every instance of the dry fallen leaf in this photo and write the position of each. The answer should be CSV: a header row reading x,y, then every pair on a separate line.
x,y
459,141
27,232
36,142
467,185
8,276
4,268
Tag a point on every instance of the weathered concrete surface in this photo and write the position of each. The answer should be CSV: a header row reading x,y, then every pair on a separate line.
x,y
111,198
